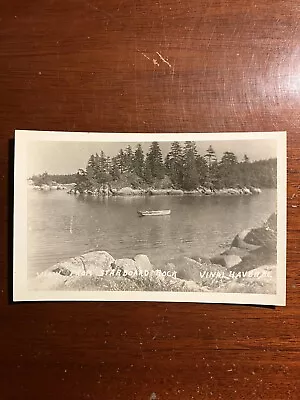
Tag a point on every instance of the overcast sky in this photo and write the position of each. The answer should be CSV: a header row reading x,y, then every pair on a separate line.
x,y
67,157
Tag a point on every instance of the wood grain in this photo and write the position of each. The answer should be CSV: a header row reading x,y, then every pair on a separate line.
x,y
89,66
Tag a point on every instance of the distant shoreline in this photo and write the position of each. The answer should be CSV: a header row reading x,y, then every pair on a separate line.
x,y
128,191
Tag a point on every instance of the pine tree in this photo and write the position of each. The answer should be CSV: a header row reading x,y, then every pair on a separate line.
x,y
91,163
129,159
147,173
108,164
228,171
174,164
190,173
244,168
154,166
102,168
246,159
139,161
42,179
211,158
91,172
97,172
114,169
202,169
121,162
81,181
264,173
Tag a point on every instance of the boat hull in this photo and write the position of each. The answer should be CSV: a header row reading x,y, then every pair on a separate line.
x,y
154,213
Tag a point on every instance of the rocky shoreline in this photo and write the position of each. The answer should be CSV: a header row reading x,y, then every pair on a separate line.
x,y
201,191
248,265
57,186
129,191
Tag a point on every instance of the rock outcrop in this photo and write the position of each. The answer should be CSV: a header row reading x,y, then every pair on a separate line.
x,y
247,266
251,248
226,260
99,271
189,269
143,263
149,191
128,191
126,264
90,264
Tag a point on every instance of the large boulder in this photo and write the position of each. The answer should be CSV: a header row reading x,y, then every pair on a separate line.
x,y
245,190
156,192
271,222
96,262
227,261
256,258
92,263
126,264
185,268
142,262
255,190
233,191
200,259
45,187
126,191
207,191
223,191
252,239
254,247
189,269
72,266
176,192
236,251
262,237
240,243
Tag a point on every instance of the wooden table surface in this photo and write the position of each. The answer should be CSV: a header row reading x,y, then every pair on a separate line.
x,y
150,66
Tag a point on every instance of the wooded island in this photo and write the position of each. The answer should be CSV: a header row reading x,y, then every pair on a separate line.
x,y
183,168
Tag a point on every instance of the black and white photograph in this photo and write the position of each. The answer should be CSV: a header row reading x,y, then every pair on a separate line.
x,y
195,217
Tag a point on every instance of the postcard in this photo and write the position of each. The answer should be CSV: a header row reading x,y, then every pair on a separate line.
x,y
193,217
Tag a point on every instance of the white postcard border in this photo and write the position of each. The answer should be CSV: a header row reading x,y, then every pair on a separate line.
x,y
20,290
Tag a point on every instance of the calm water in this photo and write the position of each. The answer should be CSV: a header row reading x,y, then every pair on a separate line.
x,y
61,225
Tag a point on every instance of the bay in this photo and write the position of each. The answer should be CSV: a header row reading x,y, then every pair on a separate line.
x,y
62,225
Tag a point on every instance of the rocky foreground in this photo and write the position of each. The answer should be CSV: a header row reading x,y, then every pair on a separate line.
x,y
247,266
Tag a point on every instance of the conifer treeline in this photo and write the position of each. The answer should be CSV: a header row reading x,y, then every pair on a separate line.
x,y
49,179
182,168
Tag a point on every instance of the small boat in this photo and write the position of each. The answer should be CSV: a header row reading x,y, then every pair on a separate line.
x,y
154,213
